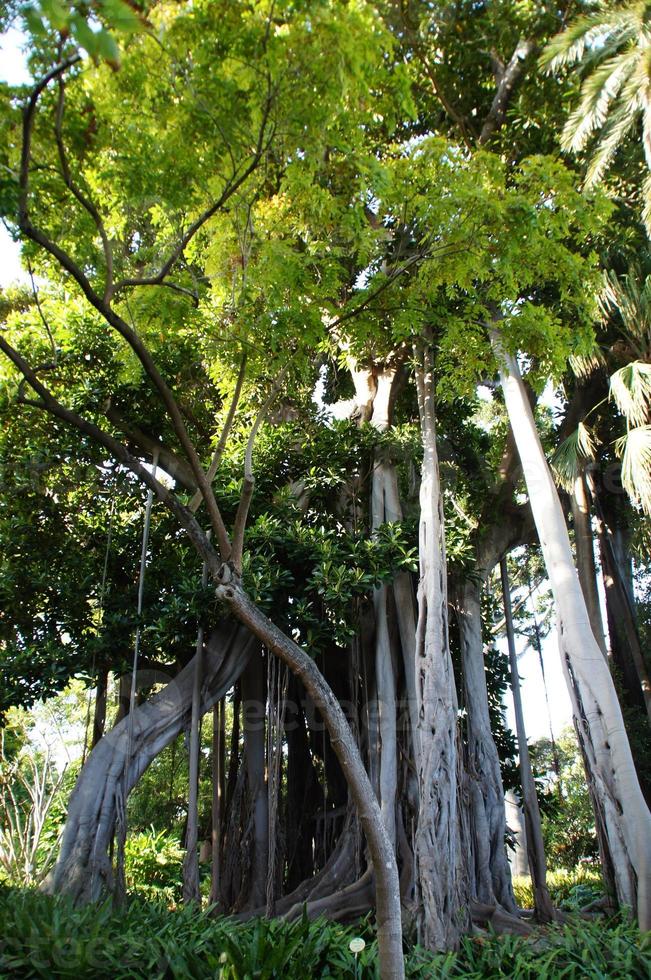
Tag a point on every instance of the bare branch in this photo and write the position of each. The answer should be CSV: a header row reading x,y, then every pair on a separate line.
x,y
247,487
170,462
508,79
217,455
41,313
85,202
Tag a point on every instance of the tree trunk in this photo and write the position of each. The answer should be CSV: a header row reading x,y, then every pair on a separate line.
x,y
218,787
627,820
191,891
253,714
533,826
585,563
99,717
387,889
440,905
83,870
491,870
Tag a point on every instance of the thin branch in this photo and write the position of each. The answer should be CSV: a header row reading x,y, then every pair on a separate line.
x,y
198,223
49,404
42,314
85,202
170,462
249,481
221,445
28,126
509,78
111,317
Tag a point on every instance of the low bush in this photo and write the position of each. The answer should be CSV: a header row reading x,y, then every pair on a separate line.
x,y
46,937
570,890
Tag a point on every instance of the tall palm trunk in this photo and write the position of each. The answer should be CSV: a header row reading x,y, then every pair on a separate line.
x,y
626,817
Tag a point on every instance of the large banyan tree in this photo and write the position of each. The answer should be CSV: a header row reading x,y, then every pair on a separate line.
x,y
263,296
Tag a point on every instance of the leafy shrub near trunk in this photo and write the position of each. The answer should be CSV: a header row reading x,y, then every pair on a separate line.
x,y
570,890
46,937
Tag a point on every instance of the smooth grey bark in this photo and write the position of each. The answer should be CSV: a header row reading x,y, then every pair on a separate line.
x,y
585,563
533,825
83,870
441,907
387,886
626,817
491,873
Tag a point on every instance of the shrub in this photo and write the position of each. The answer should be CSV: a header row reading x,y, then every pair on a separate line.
x,y
153,866
569,890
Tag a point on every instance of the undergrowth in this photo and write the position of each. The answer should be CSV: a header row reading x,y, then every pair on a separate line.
x,y
571,890
45,937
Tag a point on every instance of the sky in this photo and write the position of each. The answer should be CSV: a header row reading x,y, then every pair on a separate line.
x,y
13,69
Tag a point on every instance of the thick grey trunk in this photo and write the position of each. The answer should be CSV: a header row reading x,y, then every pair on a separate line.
x,y
83,870
534,837
626,817
387,886
491,870
440,905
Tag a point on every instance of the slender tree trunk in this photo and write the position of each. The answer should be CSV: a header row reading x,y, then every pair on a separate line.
x,y
491,870
387,888
533,826
191,891
627,820
625,645
253,714
99,718
440,903
585,562
218,786
83,869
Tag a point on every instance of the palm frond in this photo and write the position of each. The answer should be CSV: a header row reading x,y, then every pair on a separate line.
x,y
598,92
572,454
585,365
602,30
635,451
630,296
630,387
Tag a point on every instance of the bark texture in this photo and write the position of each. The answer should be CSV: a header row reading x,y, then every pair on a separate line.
x,y
441,912
490,870
626,817
83,870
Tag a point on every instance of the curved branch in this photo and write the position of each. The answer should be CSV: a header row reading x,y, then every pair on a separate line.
x,y
85,202
113,319
49,404
249,480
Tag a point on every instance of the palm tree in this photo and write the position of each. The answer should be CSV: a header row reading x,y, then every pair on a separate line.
x,y
613,46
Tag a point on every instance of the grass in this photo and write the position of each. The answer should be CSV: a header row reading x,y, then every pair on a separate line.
x,y
46,937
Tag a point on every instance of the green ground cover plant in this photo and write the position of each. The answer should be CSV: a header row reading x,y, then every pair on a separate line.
x,y
46,937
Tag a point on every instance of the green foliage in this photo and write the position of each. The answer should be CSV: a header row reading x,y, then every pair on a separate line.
x,y
153,866
567,815
569,888
45,937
